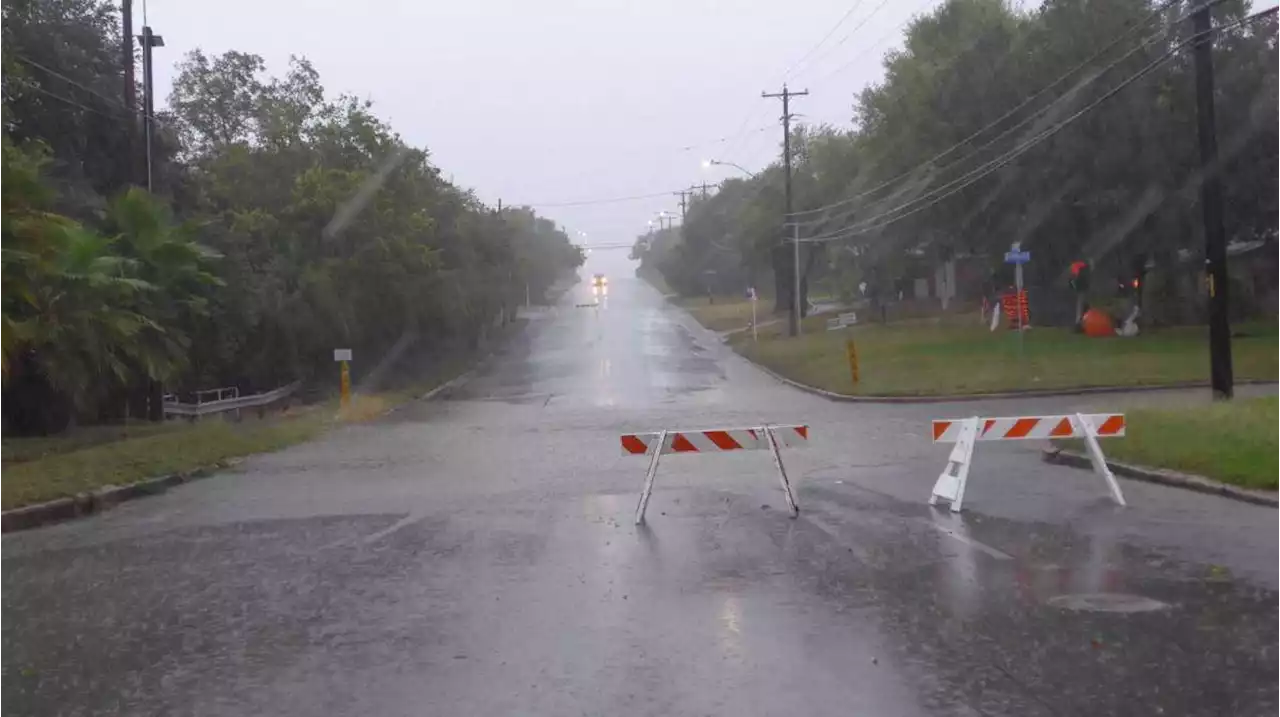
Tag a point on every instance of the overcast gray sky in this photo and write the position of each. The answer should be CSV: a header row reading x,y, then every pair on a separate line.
x,y
564,100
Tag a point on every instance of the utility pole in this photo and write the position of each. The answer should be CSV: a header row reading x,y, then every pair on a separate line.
x,y
130,90
793,325
683,194
149,41
1215,255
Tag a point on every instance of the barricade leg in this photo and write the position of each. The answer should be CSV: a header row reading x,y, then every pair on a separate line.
x,y
648,478
1098,460
955,476
782,472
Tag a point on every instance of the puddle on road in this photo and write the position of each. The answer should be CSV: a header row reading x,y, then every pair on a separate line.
x,y
1092,621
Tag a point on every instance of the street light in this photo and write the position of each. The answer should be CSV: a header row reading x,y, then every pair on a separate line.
x,y
149,40
739,167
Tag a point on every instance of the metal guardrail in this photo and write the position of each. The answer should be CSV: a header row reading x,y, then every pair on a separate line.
x,y
196,410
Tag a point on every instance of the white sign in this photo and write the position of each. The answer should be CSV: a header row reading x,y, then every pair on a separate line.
x,y
342,354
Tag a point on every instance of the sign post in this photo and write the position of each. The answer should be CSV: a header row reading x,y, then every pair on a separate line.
x,y
343,356
851,353
751,294
1017,257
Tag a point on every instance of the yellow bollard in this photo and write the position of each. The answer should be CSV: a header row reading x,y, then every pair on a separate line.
x,y
346,385
851,353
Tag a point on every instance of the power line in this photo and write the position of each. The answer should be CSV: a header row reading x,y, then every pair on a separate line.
x,y
73,83
1005,159
873,45
586,202
948,151
859,26
69,101
832,31
967,180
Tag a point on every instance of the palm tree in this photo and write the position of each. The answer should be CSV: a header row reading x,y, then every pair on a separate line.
x,y
166,256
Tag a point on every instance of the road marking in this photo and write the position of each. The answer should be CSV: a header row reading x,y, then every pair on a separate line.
x,y
960,536
834,534
402,523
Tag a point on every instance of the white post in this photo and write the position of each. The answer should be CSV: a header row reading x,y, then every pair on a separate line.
x,y
755,336
782,472
1098,460
648,478
955,476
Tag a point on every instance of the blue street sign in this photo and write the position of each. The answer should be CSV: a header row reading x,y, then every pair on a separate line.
x,y
1017,257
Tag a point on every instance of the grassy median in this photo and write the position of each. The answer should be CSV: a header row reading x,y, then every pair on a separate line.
x,y
41,469
45,468
933,357
1234,442
726,313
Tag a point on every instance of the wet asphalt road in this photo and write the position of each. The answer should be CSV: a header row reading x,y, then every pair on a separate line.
x,y
476,556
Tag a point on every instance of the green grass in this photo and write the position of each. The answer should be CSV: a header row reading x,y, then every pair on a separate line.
x,y
45,468
956,356
726,314
49,467
70,468
21,450
1234,442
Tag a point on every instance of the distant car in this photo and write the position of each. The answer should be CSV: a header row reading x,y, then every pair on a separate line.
x,y
599,280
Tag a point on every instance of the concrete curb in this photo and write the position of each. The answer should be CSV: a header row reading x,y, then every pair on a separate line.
x,y
1162,476
85,504
82,504
967,397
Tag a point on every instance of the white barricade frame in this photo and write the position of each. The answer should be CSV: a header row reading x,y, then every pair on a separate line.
x,y
965,433
711,440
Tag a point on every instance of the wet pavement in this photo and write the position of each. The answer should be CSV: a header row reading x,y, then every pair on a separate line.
x,y
476,556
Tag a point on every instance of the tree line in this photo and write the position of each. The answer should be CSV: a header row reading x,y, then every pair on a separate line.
x,y
1069,127
282,223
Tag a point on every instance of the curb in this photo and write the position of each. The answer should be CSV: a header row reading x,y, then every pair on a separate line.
x,y
83,504
966,397
446,386
1162,476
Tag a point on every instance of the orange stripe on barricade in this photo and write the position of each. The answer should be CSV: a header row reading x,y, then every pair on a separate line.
x,y
1111,426
939,428
723,440
680,444
633,445
1022,427
1063,429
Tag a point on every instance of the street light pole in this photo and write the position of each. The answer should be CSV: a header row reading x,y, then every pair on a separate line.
x,y
149,40
739,167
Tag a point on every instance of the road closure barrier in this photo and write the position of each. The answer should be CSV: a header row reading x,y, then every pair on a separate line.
x,y
966,432
714,440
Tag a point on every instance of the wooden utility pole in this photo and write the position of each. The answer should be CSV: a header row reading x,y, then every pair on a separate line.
x,y
1215,254
793,324
131,172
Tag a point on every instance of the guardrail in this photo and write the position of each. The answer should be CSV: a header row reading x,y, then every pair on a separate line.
x,y
257,400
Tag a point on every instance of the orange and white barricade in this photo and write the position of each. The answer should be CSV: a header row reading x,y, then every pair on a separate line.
x,y
660,443
965,432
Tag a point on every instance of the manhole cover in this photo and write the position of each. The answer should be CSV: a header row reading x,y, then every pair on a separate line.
x,y
1107,602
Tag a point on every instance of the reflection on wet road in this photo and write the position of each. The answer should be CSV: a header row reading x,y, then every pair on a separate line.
x,y
475,555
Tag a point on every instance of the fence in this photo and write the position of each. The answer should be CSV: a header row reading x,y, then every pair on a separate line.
x,y
193,411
